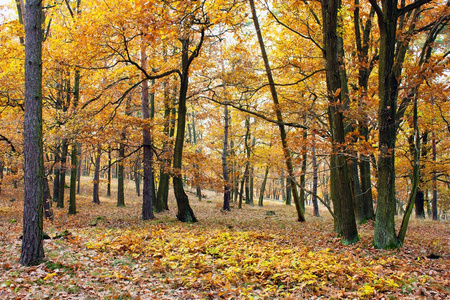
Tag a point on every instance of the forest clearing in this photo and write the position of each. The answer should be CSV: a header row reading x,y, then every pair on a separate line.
x,y
109,253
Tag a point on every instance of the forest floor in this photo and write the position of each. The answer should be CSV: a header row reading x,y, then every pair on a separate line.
x,y
105,252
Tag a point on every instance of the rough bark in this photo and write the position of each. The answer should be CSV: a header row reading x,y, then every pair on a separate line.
x,y
148,189
185,212
341,192
32,252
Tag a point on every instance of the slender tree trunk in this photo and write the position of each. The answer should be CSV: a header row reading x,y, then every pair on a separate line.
x,y
120,172
247,164
415,177
79,169
32,252
315,176
96,198
108,188
185,212
434,200
56,171
73,180
241,191
137,177
62,173
303,174
263,187
286,151
46,199
226,193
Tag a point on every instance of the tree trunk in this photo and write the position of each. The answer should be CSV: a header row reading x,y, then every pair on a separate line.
x,y
286,151
56,171
164,176
46,199
79,169
73,179
415,177
226,193
315,176
62,173
137,177
148,189
32,252
108,188
434,200
340,184
96,198
185,212
384,235
303,174
263,187
120,172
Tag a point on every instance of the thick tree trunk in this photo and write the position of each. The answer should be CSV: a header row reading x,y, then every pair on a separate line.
x,y
384,235
283,136
148,189
341,192
32,252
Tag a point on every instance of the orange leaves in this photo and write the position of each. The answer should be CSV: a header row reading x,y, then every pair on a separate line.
x,y
234,263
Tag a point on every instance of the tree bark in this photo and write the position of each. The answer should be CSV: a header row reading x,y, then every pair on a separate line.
x,y
56,171
226,193
185,212
98,154
120,172
148,189
341,192
263,187
315,176
108,188
62,173
73,180
32,252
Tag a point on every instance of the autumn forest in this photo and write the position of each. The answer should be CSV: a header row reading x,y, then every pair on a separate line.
x,y
230,149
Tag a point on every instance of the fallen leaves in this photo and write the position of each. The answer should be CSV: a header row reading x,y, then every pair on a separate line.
x,y
241,255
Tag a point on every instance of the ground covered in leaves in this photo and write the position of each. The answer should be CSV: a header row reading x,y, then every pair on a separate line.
x,y
105,252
